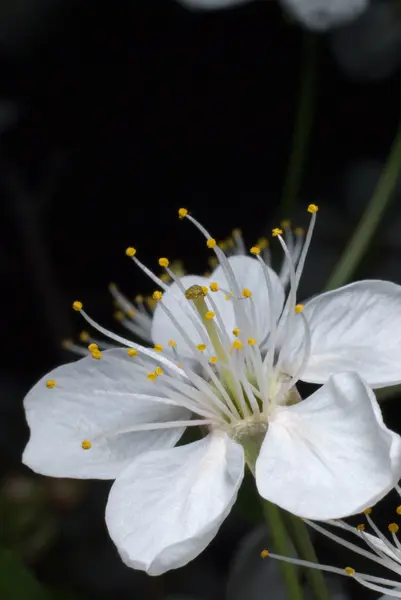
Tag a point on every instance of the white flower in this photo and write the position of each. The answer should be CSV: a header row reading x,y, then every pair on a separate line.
x,y
228,353
314,14
378,548
323,14
136,316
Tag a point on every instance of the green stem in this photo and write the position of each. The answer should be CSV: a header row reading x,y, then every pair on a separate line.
x,y
302,126
367,226
303,544
282,546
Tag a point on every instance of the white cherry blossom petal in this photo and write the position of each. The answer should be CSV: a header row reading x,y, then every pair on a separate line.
x,y
355,328
167,506
164,329
323,14
330,455
249,274
92,401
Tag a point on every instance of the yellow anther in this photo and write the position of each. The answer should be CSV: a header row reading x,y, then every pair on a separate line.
x,y
130,251
276,231
158,348
139,298
360,527
93,347
51,383
237,344
264,554
299,308
350,571
236,331
205,289
393,528
214,286
230,242
367,511
112,286
201,347
398,510
251,341
206,274
285,223
246,293
172,344
228,297
210,315
213,262
119,315
299,231
255,250
211,243
263,243
165,277
157,295
313,208
236,232
164,262
86,445
182,213
131,313
151,376
84,336
222,244
77,305
213,360
158,371
132,352
96,354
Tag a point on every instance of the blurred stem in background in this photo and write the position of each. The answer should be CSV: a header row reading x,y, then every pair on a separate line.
x,y
300,537
302,126
359,243
282,545
289,531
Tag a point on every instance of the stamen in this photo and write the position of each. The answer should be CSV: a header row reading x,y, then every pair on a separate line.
x,y
241,315
51,383
150,274
239,242
71,347
129,344
202,360
312,208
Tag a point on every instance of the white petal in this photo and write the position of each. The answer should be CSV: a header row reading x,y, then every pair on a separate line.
x,y
330,455
249,274
93,397
164,329
212,4
167,506
322,14
355,328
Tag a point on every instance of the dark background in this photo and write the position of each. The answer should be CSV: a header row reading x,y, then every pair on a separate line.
x,y
112,116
